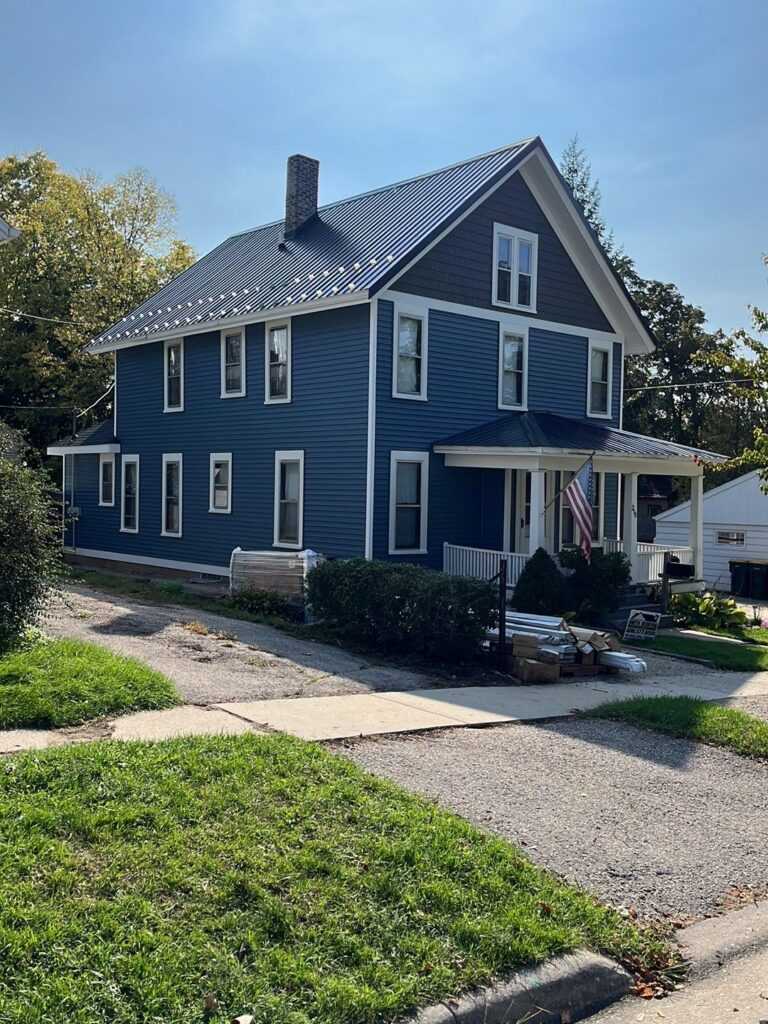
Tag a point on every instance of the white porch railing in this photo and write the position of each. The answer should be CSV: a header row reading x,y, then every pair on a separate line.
x,y
650,560
482,563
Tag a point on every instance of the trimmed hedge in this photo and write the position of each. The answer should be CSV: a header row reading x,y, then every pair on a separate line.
x,y
403,609
541,587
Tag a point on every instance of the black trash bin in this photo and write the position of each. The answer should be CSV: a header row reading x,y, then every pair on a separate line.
x,y
749,579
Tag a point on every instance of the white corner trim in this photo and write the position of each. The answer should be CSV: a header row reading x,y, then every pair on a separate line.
x,y
114,394
180,407
83,449
214,458
599,346
272,325
402,309
515,235
105,459
370,466
168,459
422,458
125,461
280,458
164,563
230,333
520,334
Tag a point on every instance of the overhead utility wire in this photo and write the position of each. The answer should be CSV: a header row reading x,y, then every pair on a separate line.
x,y
18,313
702,384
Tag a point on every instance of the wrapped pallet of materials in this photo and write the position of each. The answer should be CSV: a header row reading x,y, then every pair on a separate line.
x,y
282,572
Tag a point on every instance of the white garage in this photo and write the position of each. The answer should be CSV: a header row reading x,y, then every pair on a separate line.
x,y
735,527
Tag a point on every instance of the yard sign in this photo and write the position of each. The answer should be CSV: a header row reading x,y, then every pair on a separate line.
x,y
642,625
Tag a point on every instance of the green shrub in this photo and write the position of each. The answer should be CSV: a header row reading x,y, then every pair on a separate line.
x,y
402,608
269,604
540,590
709,610
593,588
30,556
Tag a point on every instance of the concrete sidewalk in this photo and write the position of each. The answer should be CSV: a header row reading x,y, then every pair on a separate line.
x,y
373,714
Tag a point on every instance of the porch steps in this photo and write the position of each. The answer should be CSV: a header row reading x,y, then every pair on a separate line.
x,y
634,596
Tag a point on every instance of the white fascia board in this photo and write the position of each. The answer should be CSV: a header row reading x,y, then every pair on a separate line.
x,y
84,449
565,458
216,326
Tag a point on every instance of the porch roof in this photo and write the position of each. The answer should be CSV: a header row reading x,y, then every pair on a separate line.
x,y
546,433
98,439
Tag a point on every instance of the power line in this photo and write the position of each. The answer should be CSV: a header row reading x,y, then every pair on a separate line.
x,y
702,384
17,314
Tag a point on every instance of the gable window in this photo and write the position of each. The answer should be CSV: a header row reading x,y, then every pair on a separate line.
x,y
513,354
289,499
129,501
106,479
515,267
409,366
408,494
233,363
278,362
220,484
173,394
172,495
599,384
731,537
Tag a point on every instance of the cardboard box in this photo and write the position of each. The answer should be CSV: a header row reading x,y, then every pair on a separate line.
x,y
530,671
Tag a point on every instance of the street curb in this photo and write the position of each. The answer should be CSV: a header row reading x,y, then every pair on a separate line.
x,y
710,944
567,989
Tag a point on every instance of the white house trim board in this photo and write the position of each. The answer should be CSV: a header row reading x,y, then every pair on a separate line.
x,y
168,459
82,449
214,458
164,563
373,326
422,458
561,459
280,458
229,333
500,386
403,309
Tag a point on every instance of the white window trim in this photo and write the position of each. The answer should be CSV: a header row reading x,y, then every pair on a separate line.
x,y
169,458
270,326
124,461
517,234
423,459
166,346
424,318
104,459
505,329
219,457
731,543
240,331
280,458
600,346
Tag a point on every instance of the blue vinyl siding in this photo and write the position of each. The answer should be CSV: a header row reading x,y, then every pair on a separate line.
x,y
327,419
557,375
459,268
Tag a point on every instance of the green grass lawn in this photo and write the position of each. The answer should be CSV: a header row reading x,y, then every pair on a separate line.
x,y
693,719
136,879
749,634
737,657
64,682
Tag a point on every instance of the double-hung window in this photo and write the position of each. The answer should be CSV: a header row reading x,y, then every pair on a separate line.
x,y
408,494
173,376
515,268
220,484
233,363
599,384
129,500
409,362
278,362
106,479
289,499
513,355
172,495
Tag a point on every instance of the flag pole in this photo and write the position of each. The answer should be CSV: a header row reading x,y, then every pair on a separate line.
x,y
556,496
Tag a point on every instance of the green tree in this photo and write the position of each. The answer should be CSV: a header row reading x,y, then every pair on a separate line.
x,y
87,253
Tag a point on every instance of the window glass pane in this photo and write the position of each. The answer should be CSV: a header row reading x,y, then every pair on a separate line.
x,y
525,257
512,363
289,522
408,376
505,253
408,528
523,290
409,336
232,378
289,481
408,483
232,345
171,515
106,481
171,479
599,401
599,365
129,497
174,360
278,381
278,345
503,285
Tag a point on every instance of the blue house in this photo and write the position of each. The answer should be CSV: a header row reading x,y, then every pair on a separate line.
x,y
411,373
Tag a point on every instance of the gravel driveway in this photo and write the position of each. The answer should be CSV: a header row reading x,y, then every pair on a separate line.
x,y
669,827
225,660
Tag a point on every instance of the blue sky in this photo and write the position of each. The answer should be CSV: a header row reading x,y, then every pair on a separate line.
x,y
669,98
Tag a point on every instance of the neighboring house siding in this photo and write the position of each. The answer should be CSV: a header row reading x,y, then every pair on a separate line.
x,y
459,268
717,557
327,419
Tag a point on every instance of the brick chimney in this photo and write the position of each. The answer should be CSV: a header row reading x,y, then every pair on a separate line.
x,y
300,193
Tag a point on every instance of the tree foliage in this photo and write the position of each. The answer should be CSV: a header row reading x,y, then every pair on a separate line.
x,y
88,252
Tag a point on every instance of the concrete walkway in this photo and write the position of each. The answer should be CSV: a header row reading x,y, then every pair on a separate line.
x,y
395,711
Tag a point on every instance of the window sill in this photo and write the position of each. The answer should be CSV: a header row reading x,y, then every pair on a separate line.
x,y
277,401
172,536
124,529
179,408
106,504
410,398
513,408
233,394
220,511
285,544
600,415
408,551
510,305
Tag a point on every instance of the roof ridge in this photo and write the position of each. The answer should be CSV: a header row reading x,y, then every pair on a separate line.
x,y
396,184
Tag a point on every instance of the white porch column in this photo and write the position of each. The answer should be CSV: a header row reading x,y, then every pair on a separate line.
x,y
537,539
629,485
696,534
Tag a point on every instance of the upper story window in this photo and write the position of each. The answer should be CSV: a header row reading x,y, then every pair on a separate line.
x,y
220,483
278,362
129,505
233,363
289,499
599,384
173,360
172,495
408,495
409,361
513,369
515,266
106,479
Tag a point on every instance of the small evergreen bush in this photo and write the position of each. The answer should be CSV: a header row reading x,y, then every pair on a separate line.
x,y
541,588
594,587
402,608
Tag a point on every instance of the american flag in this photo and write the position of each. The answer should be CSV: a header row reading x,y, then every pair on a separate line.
x,y
579,494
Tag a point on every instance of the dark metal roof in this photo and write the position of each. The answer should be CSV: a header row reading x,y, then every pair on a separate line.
x,y
99,433
353,246
547,430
